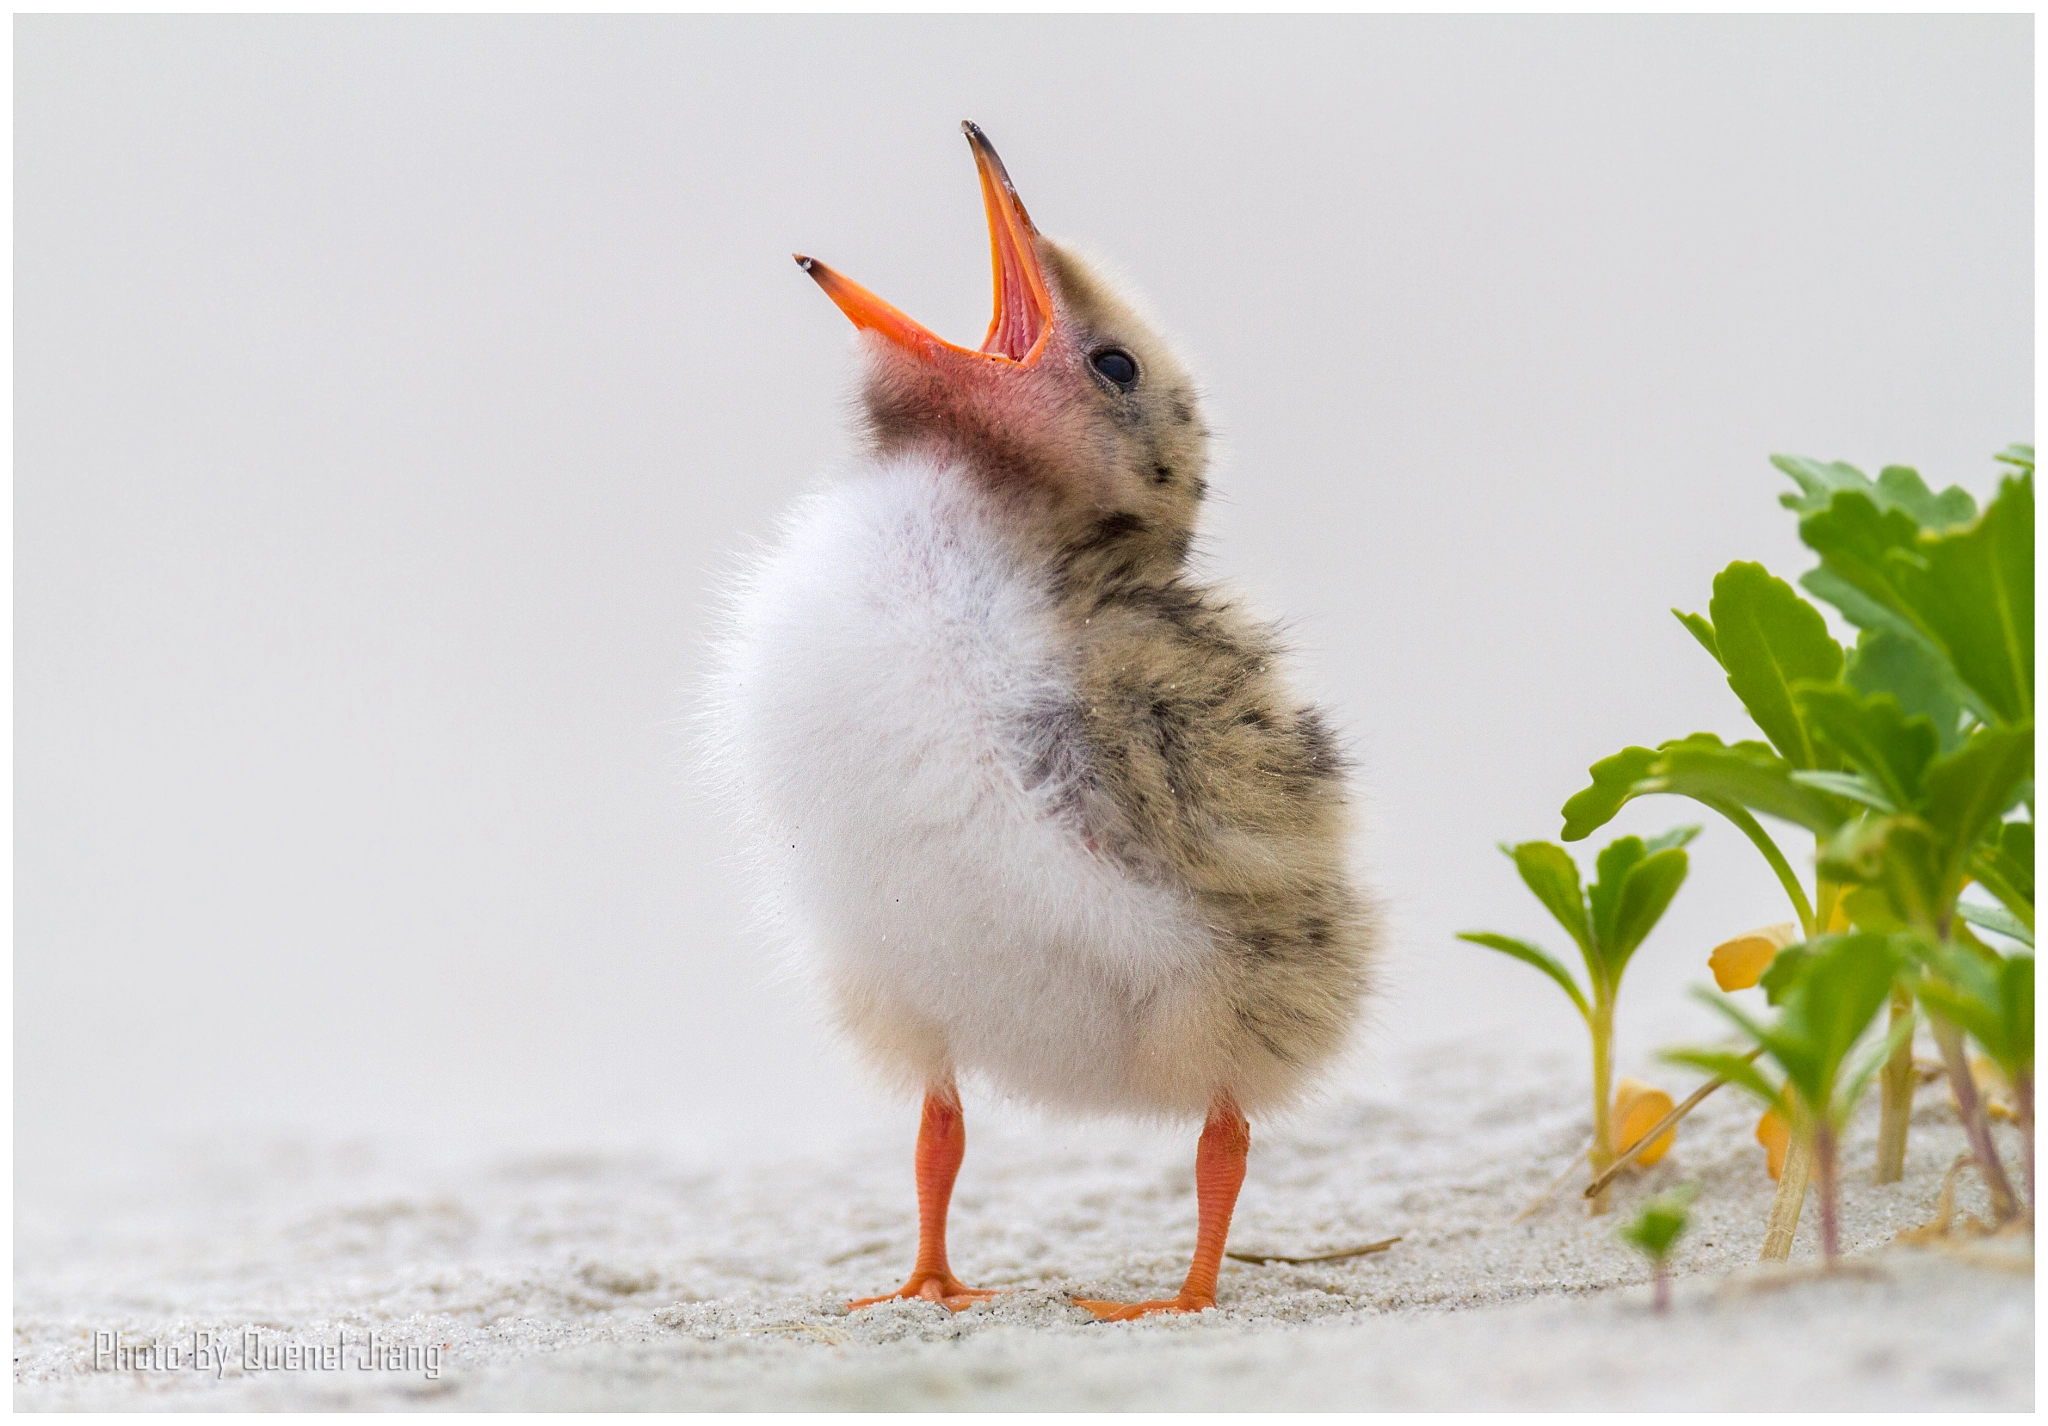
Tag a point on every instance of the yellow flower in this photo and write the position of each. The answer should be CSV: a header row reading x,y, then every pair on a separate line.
x,y
1993,1088
1740,963
1637,1108
1776,1137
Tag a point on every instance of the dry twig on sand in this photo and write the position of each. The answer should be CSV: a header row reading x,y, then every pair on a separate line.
x,y
1261,1259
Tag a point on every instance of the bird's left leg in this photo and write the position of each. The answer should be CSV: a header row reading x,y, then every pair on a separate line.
x,y
1219,1173
941,1144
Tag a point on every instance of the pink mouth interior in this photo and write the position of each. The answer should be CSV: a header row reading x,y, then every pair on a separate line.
x,y
1018,322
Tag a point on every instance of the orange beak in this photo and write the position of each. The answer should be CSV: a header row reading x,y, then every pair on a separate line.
x,y
1024,315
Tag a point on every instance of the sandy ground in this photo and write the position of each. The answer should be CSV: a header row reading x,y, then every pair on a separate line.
x,y
473,1281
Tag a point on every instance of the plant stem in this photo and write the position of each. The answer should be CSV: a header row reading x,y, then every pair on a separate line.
x,y
1895,1090
1975,1122
1830,1204
1602,1153
1747,825
1791,1197
1662,1301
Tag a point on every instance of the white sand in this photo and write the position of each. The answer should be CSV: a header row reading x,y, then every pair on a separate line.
x,y
610,1280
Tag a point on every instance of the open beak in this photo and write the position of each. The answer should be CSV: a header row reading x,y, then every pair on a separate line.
x,y
1024,316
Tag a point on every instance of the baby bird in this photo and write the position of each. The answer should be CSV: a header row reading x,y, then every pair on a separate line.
x,y
1036,804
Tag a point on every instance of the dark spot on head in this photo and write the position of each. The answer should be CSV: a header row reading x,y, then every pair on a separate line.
x,y
1161,474
1182,412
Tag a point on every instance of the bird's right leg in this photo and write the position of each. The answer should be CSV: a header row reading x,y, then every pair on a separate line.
x,y
941,1143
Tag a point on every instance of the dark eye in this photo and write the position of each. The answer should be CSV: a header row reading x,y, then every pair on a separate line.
x,y
1116,366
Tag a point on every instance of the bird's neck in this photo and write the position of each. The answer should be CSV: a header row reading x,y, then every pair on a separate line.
x,y
1055,519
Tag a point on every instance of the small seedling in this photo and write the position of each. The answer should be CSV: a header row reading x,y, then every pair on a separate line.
x,y
1608,921
1835,990
1654,1232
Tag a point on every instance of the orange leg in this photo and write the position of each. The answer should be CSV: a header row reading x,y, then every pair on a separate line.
x,y
1219,1173
941,1144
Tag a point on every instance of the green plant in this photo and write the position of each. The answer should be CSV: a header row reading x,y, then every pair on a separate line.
x,y
1656,1229
1909,759
1830,995
1635,882
1765,638
1943,751
1902,756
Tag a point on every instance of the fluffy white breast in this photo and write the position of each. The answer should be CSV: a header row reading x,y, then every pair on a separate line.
x,y
895,717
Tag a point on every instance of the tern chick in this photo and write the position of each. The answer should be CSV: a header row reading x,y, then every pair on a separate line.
x,y
1035,803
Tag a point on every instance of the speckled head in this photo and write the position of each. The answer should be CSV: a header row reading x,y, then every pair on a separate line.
x,y
1071,403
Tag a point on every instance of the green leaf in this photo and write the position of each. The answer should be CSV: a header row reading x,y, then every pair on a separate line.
x,y
1676,837
1645,896
1986,868
1996,918
1897,487
1856,606
2011,857
1901,487
1785,970
1841,983
1756,1030
1873,618
1874,736
1661,1220
1869,909
1993,1002
1610,870
1548,870
1818,481
1852,785
1735,1069
2016,993
1828,1010
1535,956
1867,547
2016,848
1968,591
1769,638
1700,629
1900,855
2020,456
1747,774
1614,779
1967,791
1976,595
1887,660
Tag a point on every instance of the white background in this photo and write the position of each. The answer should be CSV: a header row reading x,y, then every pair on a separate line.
x,y
391,393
